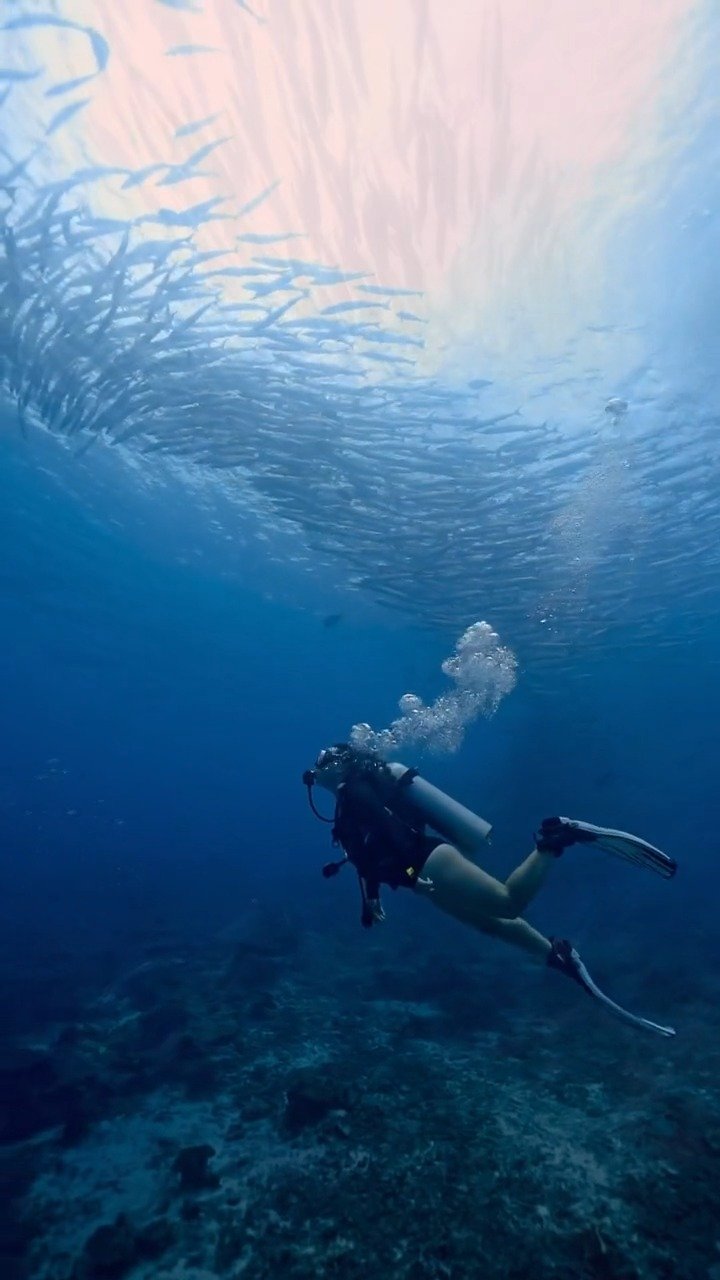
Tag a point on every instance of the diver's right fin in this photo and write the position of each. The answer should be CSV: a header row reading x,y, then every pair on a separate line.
x,y
557,834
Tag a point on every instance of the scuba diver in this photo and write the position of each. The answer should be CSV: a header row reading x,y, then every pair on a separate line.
x,y
382,814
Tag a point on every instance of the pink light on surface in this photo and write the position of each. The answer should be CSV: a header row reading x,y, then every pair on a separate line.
x,y
397,132
477,150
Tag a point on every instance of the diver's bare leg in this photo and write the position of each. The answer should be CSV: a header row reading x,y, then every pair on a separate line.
x,y
516,932
526,880
519,934
465,891
469,894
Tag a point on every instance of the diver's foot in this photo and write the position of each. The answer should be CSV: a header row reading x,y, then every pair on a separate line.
x,y
555,835
565,959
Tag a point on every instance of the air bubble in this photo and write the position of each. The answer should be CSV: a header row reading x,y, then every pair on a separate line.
x,y
484,672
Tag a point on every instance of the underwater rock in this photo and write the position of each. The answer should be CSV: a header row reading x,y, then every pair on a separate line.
x,y
310,1097
109,1252
115,1248
191,1164
154,1239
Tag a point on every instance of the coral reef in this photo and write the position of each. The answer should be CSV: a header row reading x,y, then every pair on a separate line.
x,y
415,1117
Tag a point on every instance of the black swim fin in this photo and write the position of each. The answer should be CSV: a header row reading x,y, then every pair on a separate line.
x,y
565,959
557,834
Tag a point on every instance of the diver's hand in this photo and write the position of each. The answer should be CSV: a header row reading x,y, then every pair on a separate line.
x,y
427,885
376,909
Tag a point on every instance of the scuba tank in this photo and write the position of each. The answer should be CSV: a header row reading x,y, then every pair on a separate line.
x,y
446,816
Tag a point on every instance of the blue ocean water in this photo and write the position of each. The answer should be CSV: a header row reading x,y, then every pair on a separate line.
x,y
250,500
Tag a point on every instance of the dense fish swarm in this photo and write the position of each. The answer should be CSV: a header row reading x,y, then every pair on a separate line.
x,y
121,331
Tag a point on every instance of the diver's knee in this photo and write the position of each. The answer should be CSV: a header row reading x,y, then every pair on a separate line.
x,y
492,921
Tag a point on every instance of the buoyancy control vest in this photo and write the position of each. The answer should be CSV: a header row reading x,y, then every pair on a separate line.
x,y
386,846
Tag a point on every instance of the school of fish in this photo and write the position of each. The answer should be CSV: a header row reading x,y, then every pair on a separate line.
x,y
118,332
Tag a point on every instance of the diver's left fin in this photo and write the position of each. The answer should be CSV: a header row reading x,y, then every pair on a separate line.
x,y
565,959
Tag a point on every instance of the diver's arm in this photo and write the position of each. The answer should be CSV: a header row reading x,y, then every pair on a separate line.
x,y
372,906
372,890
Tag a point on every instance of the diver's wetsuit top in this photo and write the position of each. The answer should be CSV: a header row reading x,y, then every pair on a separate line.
x,y
383,847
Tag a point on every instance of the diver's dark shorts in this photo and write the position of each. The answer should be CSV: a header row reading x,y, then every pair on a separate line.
x,y
426,845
